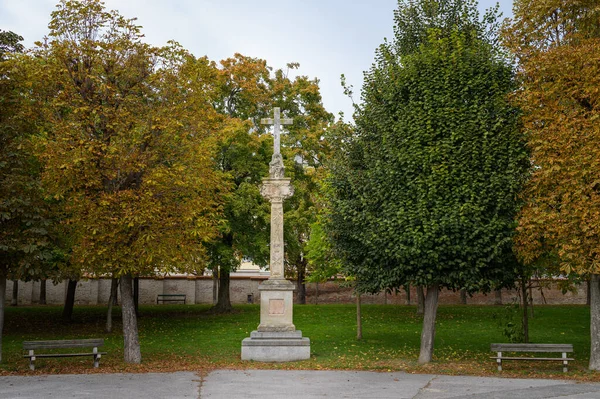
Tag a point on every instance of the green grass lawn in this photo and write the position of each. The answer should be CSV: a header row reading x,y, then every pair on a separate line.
x,y
188,337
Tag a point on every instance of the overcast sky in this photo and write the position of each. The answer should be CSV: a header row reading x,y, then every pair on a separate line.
x,y
327,37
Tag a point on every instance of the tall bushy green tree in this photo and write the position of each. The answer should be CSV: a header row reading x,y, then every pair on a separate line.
x,y
425,192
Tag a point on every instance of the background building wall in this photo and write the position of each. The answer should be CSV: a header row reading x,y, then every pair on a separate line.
x,y
199,290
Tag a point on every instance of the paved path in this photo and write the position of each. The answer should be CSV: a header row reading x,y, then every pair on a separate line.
x,y
267,384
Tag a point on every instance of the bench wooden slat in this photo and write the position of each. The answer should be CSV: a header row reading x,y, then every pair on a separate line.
x,y
65,354
94,343
532,348
170,298
533,358
67,343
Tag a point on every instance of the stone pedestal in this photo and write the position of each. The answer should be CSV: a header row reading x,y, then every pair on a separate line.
x,y
276,339
276,306
276,347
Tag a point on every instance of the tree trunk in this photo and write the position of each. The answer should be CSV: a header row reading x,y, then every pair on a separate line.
x,y
498,297
531,299
224,302
525,311
215,279
420,300
43,291
136,296
428,332
407,289
358,317
595,322
69,301
317,293
301,285
131,348
2,301
15,293
114,283
588,299
463,297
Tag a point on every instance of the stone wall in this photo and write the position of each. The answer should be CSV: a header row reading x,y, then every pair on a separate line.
x,y
331,292
199,290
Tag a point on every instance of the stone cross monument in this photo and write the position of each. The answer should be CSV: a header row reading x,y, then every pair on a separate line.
x,y
276,122
276,188
276,338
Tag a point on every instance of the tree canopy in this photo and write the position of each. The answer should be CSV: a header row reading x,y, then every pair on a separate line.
x,y
249,89
23,214
127,143
425,193
557,44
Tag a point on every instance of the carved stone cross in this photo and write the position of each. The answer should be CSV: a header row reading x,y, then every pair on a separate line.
x,y
276,122
276,338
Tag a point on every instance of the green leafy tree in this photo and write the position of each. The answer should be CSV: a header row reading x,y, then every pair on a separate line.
x,y
243,157
425,190
306,149
557,44
249,90
10,43
23,214
127,144
323,262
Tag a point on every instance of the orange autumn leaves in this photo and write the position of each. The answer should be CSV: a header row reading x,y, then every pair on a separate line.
x,y
558,45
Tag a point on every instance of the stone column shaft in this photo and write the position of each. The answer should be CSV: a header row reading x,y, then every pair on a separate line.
x,y
276,190
276,255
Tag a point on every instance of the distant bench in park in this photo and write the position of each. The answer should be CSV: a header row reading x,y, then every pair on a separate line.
x,y
93,343
533,348
170,298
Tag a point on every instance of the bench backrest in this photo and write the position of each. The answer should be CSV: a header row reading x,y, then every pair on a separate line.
x,y
532,347
67,343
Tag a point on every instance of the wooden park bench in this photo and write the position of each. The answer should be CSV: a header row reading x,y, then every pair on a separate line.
x,y
534,348
170,298
93,343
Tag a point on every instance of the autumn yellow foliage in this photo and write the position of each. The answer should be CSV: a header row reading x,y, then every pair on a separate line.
x,y
559,54
557,44
126,141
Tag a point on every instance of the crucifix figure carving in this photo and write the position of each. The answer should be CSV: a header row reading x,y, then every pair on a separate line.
x,y
276,169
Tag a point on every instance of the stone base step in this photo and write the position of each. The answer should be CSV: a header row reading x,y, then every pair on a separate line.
x,y
276,347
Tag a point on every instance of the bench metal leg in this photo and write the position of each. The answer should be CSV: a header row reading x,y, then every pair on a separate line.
x,y
499,361
31,360
97,357
565,362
